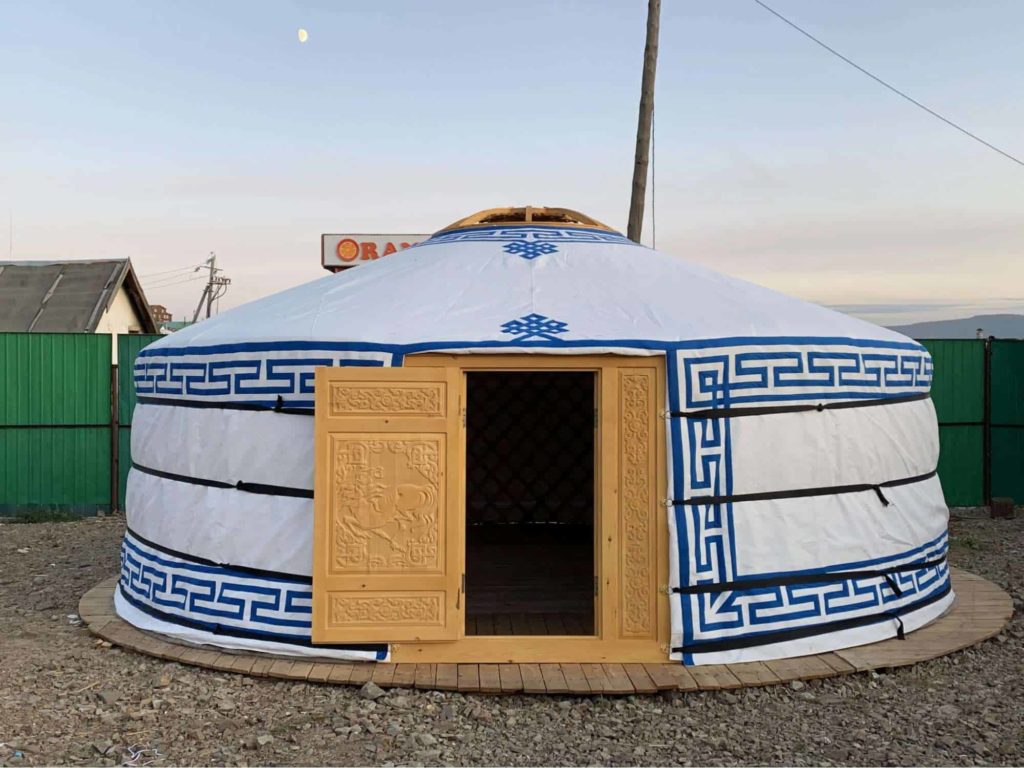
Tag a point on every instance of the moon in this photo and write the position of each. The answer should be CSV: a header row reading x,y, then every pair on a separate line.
x,y
303,35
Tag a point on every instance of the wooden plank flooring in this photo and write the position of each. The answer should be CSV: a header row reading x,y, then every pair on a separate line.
x,y
980,612
543,624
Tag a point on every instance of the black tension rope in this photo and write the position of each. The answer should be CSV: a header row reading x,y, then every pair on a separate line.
x,y
278,407
831,490
767,410
241,485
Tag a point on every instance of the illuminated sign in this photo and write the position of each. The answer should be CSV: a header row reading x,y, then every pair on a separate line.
x,y
344,251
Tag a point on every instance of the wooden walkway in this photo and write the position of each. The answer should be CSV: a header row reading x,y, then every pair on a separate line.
x,y
981,611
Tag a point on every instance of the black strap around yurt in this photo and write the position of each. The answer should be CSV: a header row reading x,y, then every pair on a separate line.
x,y
812,578
768,410
798,633
797,493
241,485
278,407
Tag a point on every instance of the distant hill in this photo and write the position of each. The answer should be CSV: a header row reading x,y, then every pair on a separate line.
x,y
1000,326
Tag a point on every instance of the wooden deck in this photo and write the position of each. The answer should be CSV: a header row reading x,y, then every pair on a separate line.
x,y
980,612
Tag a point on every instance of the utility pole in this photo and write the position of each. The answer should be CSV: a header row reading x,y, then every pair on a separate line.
x,y
643,128
216,286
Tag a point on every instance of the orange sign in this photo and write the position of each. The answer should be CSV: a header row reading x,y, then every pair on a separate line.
x,y
344,251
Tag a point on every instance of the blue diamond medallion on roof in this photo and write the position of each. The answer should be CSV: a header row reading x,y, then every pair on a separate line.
x,y
530,249
534,326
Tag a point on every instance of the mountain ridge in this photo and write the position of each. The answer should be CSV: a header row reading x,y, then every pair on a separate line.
x,y
1001,326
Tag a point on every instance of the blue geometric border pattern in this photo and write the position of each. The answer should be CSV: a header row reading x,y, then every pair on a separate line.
x,y
525,234
274,607
766,608
257,378
745,374
740,377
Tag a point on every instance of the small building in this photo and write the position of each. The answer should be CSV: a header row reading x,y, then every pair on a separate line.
x,y
102,296
160,314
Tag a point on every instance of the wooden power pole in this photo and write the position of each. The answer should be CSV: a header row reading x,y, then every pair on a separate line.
x,y
643,128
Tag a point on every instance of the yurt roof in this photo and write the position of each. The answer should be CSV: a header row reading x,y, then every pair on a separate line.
x,y
522,278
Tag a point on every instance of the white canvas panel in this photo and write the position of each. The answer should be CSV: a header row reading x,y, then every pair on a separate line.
x,y
787,535
600,285
225,445
833,447
273,533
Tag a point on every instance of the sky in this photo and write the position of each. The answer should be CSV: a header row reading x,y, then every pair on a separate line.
x,y
165,131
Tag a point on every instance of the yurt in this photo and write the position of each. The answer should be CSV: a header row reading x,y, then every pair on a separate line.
x,y
530,439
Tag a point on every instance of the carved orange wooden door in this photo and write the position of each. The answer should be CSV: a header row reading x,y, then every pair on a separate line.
x,y
387,560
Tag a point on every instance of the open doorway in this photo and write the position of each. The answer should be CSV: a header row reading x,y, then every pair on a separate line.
x,y
530,459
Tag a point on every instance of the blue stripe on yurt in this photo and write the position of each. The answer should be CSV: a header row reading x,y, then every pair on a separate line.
x,y
380,652
752,639
360,346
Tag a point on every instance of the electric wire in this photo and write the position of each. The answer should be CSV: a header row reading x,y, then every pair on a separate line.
x,y
892,88
168,271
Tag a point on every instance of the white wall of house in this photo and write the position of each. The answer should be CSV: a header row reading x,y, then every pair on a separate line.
x,y
119,318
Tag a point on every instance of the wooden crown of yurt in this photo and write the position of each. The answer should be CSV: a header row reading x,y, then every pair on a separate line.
x,y
530,439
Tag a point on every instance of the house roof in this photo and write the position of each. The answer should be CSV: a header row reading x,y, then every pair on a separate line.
x,y
66,296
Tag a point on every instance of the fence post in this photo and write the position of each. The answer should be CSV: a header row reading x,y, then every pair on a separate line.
x,y
115,439
986,451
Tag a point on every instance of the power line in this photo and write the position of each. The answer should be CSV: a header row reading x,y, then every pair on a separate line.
x,y
174,280
168,271
892,88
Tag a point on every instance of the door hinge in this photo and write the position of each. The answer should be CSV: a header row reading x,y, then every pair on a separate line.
x,y
597,585
458,595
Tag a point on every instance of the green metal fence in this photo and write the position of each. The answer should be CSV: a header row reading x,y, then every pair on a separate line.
x,y
55,433
64,431
66,414
958,392
1007,418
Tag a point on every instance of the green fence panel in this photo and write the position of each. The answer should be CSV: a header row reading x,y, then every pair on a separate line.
x,y
1008,418
961,463
54,378
55,468
128,348
958,384
1008,382
54,422
958,392
1008,462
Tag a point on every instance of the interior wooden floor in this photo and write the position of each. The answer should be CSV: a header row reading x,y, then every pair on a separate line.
x,y
530,624
980,612
554,595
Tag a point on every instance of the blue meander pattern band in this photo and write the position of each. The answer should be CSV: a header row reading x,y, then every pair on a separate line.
x,y
217,599
704,374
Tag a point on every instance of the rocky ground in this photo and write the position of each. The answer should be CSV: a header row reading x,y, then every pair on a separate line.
x,y
67,699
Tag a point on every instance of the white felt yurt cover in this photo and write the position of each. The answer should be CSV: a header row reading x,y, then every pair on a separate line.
x,y
793,530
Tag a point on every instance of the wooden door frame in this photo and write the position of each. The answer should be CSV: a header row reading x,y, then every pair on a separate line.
x,y
612,641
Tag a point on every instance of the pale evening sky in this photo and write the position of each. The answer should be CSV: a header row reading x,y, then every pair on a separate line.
x,y
162,131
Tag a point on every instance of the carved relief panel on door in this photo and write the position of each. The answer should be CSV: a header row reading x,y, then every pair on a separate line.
x,y
387,504
638,525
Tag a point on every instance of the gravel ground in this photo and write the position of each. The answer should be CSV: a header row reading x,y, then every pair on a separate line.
x,y
67,698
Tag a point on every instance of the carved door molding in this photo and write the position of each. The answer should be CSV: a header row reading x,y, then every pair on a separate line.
x,y
387,561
